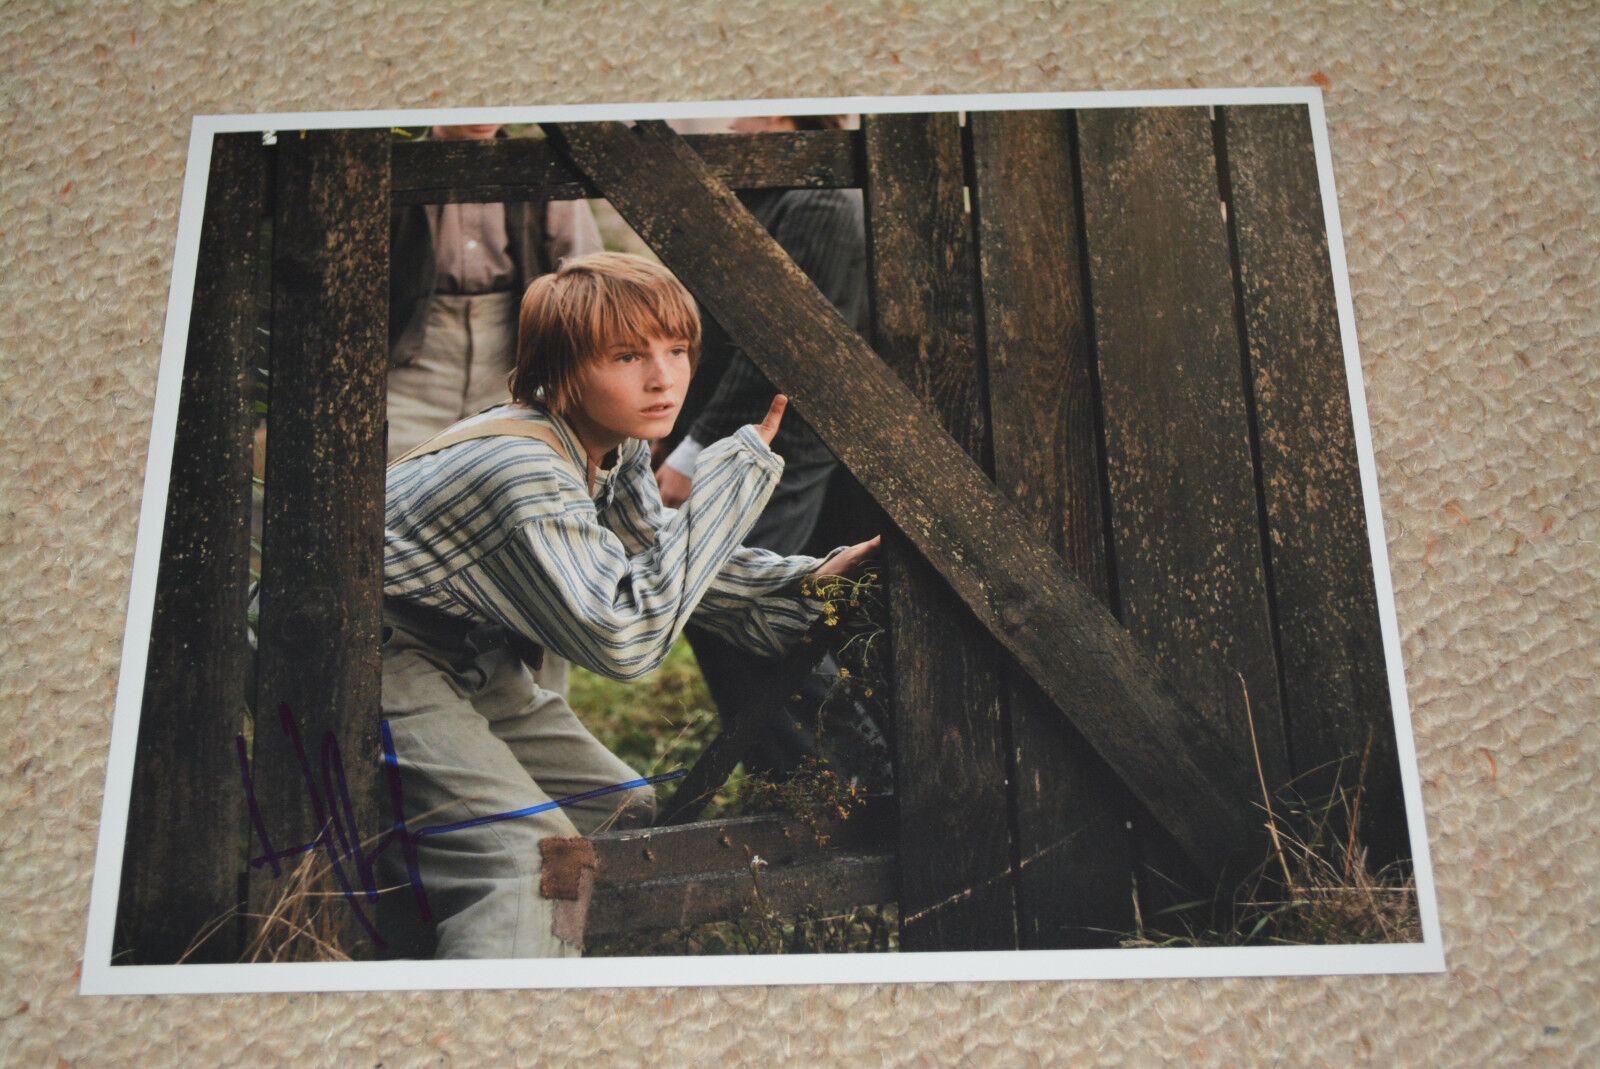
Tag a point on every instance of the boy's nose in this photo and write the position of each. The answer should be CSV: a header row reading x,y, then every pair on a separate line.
x,y
661,373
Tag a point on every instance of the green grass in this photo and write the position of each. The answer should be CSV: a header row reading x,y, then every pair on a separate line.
x,y
657,724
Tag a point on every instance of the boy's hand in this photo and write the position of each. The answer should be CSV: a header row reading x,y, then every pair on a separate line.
x,y
852,557
768,428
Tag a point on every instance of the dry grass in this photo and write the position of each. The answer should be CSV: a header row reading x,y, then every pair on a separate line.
x,y
1316,887
310,918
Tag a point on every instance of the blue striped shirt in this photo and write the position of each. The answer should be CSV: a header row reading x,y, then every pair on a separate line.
x,y
504,530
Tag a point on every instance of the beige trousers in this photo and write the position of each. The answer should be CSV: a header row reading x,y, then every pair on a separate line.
x,y
469,345
474,737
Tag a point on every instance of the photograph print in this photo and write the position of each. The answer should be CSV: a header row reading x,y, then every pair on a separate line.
x,y
712,546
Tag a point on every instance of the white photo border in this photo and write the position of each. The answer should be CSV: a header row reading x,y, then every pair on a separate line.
x,y
101,977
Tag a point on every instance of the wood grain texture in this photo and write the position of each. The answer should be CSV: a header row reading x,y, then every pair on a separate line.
x,y
920,249
940,499
1336,689
323,524
728,845
181,865
529,169
837,881
1075,852
957,887
1185,524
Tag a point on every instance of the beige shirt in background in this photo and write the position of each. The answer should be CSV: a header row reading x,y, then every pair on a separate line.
x,y
472,249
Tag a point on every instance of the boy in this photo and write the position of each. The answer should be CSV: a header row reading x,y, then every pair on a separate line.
x,y
550,533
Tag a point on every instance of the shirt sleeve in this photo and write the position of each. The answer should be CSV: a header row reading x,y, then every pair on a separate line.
x,y
754,601
682,459
614,596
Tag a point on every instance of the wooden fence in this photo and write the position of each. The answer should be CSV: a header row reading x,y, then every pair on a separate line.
x,y
1103,407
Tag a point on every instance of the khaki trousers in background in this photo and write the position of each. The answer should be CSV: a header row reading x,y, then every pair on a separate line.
x,y
469,345
475,737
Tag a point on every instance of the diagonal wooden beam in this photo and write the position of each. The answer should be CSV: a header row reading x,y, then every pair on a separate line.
x,y
1087,665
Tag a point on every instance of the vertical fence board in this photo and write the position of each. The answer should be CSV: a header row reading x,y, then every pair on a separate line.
x,y
1185,529
1335,683
321,570
1071,810
950,767
180,865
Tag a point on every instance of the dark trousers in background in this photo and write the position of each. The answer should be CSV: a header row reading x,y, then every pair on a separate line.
x,y
742,684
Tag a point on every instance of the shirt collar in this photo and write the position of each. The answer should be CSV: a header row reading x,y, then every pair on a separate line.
x,y
601,481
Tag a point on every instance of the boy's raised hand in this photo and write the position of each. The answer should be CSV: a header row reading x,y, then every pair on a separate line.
x,y
768,428
675,485
852,557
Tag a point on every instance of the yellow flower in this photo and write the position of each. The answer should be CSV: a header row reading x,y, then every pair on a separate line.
x,y
844,673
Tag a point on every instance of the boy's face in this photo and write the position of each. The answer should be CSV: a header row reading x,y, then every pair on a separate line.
x,y
632,390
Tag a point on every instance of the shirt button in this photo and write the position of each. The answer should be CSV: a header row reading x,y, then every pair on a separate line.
x,y
472,244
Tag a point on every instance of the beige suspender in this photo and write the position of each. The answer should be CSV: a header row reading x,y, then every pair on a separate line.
x,y
513,428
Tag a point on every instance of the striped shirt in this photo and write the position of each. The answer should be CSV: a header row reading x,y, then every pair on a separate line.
x,y
503,530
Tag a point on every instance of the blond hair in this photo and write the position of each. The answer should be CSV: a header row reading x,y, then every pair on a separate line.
x,y
573,315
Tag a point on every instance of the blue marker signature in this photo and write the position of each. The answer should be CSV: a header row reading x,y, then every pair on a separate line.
x,y
329,795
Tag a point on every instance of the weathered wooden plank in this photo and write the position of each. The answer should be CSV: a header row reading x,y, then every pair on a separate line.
x,y
489,171
528,169
1335,684
1020,592
712,871
949,738
728,845
920,247
180,868
323,524
1041,367
802,159
1072,813
1185,528
957,882
833,882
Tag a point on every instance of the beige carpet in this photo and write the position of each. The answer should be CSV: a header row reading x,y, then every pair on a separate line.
x,y
1464,145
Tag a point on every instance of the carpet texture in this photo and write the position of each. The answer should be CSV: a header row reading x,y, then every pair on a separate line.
x,y
1463,138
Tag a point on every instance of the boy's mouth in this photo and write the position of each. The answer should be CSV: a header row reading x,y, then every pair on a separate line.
x,y
661,409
